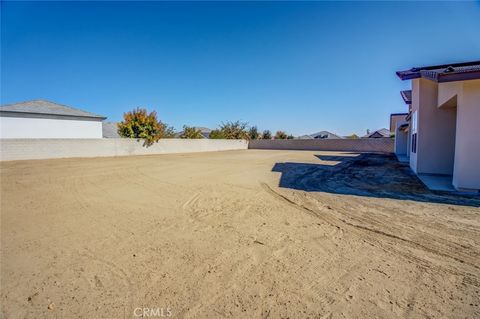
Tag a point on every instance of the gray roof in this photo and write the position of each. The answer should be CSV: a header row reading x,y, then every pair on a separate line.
x,y
325,135
110,130
383,132
204,130
305,137
44,107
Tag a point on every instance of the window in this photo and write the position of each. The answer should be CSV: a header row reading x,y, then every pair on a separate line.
x,y
414,131
414,143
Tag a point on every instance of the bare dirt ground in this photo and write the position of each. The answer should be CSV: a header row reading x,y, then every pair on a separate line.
x,y
250,234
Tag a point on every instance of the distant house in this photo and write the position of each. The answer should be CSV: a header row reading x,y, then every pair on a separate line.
x,y
383,132
441,133
320,135
45,119
305,137
204,130
110,130
396,118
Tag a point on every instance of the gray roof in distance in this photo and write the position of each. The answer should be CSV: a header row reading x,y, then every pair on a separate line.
x,y
305,137
43,107
109,130
383,132
204,130
325,135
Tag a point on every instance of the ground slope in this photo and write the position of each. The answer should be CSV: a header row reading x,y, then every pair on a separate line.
x,y
269,234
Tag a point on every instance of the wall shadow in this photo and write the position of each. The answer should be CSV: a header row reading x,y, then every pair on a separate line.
x,y
368,174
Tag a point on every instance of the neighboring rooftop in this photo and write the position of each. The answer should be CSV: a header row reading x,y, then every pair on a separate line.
x,y
325,135
110,130
406,96
444,73
395,118
305,137
383,132
204,130
44,107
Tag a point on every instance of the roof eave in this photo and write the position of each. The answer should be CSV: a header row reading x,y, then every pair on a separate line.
x,y
60,115
405,98
452,77
407,75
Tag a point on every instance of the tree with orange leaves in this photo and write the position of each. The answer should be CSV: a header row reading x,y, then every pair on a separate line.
x,y
142,125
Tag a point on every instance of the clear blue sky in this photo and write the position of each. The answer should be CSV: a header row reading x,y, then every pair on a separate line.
x,y
299,67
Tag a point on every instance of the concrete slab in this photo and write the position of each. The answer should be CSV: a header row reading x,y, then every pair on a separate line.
x,y
437,182
403,158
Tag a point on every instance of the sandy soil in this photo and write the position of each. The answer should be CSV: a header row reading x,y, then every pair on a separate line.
x,y
222,235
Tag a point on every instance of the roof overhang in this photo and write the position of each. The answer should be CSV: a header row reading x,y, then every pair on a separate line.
x,y
406,96
50,116
444,73
403,127
409,116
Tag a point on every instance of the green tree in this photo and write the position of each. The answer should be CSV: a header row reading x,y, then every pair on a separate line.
x,y
267,135
191,132
290,137
280,135
216,134
169,132
235,130
353,136
253,133
139,124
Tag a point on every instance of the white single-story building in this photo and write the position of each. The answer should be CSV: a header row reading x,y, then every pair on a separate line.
x,y
441,134
44,119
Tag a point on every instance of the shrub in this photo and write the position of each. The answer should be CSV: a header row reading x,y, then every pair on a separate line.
x,y
290,137
216,134
266,135
353,136
141,125
253,133
191,132
169,131
280,135
234,130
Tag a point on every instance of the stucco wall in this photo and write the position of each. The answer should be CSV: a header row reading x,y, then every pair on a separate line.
x,y
355,145
467,154
446,93
26,127
23,149
415,106
436,130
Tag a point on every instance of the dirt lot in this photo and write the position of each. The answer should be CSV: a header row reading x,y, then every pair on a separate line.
x,y
251,234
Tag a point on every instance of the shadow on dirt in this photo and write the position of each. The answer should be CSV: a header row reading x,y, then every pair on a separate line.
x,y
368,174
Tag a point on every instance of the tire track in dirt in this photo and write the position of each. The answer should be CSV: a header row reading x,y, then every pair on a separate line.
x,y
118,272
187,205
341,223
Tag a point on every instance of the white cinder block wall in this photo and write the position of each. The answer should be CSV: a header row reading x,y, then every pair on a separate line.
x,y
26,149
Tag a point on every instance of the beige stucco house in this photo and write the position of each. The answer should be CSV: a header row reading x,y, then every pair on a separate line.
x,y
441,133
394,119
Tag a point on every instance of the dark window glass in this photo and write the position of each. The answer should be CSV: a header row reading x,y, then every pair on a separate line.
x,y
414,143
